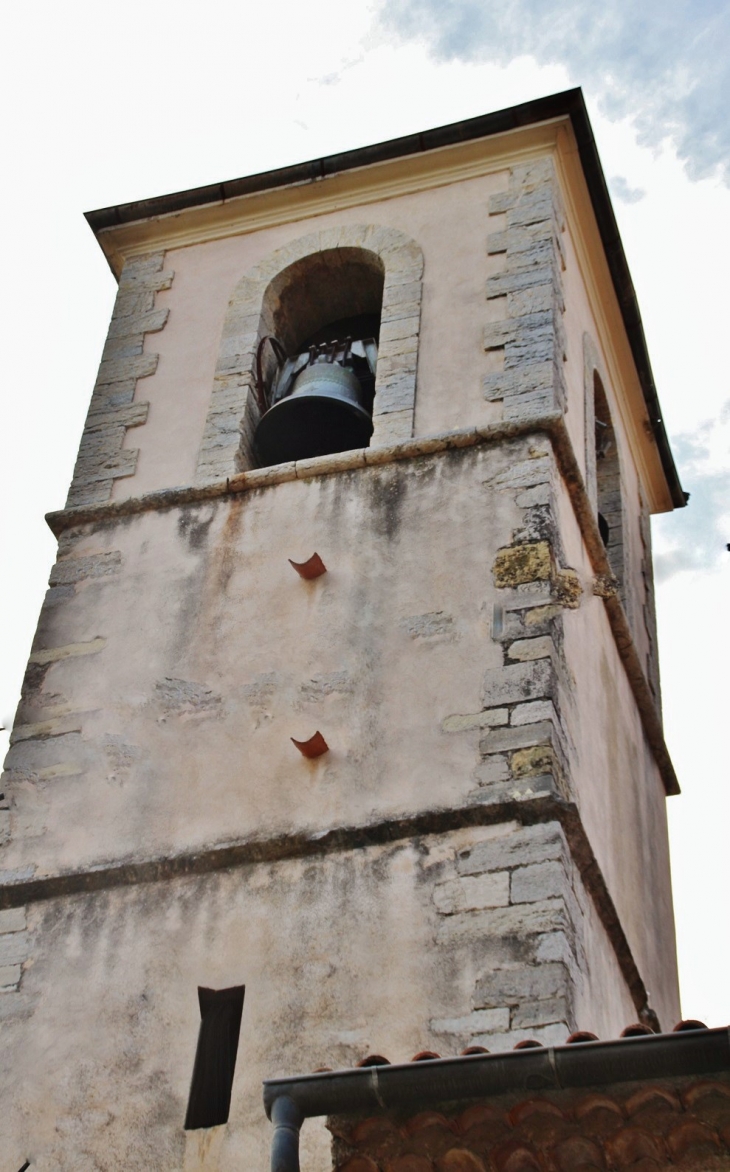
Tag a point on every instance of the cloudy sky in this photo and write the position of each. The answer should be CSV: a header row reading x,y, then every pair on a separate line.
x,y
104,105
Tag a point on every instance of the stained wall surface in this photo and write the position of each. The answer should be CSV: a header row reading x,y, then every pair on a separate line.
x,y
481,854
343,955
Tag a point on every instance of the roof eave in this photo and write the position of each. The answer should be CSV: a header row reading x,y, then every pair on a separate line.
x,y
569,103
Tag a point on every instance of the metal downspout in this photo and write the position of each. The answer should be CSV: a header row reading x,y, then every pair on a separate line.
x,y
287,1119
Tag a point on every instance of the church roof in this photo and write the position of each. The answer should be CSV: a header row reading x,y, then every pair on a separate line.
x,y
644,1101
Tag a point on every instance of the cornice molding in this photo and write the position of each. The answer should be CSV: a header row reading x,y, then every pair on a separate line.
x,y
357,187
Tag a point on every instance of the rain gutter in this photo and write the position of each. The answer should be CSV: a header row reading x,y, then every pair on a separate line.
x,y
417,1085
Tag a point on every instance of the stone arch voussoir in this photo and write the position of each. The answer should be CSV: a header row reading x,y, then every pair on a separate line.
x,y
227,445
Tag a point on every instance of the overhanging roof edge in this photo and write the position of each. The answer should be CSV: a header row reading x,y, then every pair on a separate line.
x,y
569,103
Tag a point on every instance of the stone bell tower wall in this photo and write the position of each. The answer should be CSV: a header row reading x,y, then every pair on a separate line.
x,y
452,657
481,855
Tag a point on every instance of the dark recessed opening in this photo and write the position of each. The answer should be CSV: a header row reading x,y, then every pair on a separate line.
x,y
604,529
215,1058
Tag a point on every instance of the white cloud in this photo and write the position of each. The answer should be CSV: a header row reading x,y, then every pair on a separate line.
x,y
697,537
665,65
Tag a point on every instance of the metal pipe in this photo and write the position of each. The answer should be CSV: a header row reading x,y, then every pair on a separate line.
x,y
419,1084
287,1119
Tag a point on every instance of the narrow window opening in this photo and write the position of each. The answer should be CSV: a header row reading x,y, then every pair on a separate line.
x,y
608,484
215,1058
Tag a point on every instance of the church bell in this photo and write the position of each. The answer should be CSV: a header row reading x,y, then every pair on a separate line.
x,y
318,403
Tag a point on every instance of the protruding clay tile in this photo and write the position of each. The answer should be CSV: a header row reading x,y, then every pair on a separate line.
x,y
689,1023
581,1036
529,1044
425,1056
314,567
693,1137
374,1060
579,1154
473,1050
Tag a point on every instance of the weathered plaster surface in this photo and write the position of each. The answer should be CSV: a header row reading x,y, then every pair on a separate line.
x,y
375,950
480,856
434,689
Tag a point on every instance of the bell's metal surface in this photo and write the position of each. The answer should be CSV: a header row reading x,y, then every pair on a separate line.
x,y
323,414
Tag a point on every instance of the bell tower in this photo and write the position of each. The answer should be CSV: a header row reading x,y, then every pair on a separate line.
x,y
345,687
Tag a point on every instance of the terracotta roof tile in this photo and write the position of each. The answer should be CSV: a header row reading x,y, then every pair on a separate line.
x,y
680,1122
460,1160
691,1135
649,1107
409,1164
632,1145
515,1156
579,1154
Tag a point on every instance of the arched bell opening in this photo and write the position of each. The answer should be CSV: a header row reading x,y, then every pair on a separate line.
x,y
317,356
608,483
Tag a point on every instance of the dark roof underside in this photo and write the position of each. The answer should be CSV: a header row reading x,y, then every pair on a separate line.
x,y
568,104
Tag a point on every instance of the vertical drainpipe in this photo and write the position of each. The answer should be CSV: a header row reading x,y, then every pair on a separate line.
x,y
287,1119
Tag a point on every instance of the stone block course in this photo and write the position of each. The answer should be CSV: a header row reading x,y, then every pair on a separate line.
x,y
532,712
540,1013
102,458
475,720
492,769
516,564
113,416
13,948
506,740
480,1021
525,846
512,986
471,893
10,976
539,881
517,682
148,321
538,469
521,920
12,920
541,647
141,366
116,349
